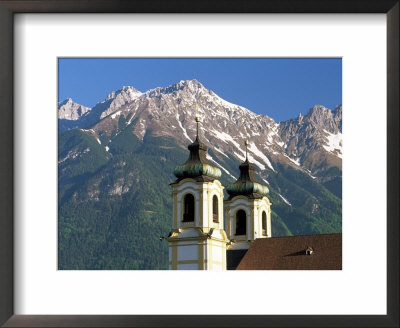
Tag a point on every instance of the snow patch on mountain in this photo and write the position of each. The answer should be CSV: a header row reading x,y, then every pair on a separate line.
x,y
241,157
113,116
220,151
265,180
183,129
309,173
285,200
253,148
93,133
133,110
88,130
140,129
71,154
74,154
209,157
294,161
225,103
225,137
254,161
334,143
251,160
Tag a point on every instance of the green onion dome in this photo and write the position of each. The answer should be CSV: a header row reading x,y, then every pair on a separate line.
x,y
247,184
197,166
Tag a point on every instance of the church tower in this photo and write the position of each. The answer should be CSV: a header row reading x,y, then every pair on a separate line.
x,y
197,240
247,209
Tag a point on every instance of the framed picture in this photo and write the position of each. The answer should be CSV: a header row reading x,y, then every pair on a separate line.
x,y
197,97
34,293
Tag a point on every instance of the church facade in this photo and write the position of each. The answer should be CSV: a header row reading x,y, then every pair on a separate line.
x,y
200,238
212,233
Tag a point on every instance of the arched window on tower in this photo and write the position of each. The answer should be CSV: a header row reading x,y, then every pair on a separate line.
x,y
215,209
241,222
264,223
188,208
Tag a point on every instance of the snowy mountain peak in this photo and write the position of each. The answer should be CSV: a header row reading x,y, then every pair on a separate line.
x,y
314,138
318,110
300,119
190,84
70,110
127,92
302,142
322,117
65,101
183,85
116,99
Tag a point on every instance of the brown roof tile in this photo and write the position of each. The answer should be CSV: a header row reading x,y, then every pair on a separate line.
x,y
289,253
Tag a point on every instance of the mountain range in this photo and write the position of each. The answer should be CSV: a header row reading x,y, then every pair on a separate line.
x,y
116,161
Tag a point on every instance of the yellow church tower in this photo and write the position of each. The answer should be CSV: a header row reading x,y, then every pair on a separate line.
x,y
247,209
198,239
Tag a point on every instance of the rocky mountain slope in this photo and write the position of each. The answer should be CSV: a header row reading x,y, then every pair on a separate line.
x,y
116,161
311,142
71,111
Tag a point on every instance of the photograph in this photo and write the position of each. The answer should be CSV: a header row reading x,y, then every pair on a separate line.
x,y
199,163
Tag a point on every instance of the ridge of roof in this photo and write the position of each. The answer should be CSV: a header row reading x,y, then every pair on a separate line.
x,y
289,253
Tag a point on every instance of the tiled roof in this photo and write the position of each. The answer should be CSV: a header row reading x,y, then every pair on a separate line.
x,y
289,253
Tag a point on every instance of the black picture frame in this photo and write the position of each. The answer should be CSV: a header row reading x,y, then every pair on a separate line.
x,y
10,7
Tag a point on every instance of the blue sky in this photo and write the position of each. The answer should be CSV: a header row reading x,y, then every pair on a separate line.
x,y
279,88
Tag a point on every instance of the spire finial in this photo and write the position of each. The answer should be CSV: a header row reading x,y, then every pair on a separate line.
x,y
246,143
198,120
